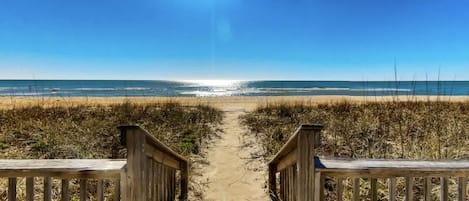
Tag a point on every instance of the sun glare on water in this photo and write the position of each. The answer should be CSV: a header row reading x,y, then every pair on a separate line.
x,y
215,83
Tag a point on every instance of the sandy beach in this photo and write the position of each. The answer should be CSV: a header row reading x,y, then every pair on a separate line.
x,y
246,102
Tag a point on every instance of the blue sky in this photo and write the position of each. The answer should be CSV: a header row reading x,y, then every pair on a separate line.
x,y
234,39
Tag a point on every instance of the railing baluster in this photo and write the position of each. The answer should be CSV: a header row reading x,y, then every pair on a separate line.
x,y
356,189
392,188
100,190
29,188
147,185
160,183
428,189
184,180
65,190
165,184
123,195
462,188
83,189
340,188
374,189
282,186
444,189
12,189
155,181
47,189
290,180
151,181
319,187
409,188
117,190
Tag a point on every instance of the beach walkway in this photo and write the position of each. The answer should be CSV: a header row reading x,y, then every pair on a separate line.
x,y
233,173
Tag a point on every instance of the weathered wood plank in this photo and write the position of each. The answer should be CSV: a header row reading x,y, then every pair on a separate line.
x,y
443,189
318,187
124,196
462,182
12,189
184,180
162,157
83,189
293,141
65,190
392,188
428,189
367,164
117,190
305,163
374,189
136,163
409,188
150,180
340,188
29,188
272,180
100,190
62,168
288,160
47,189
356,189
150,140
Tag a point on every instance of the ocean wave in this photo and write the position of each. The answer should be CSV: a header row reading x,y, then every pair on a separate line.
x,y
113,89
382,89
304,89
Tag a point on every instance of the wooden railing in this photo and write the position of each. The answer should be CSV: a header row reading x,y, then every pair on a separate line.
x,y
295,162
148,173
64,170
151,168
303,175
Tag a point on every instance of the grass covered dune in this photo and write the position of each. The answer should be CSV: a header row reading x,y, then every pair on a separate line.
x,y
89,131
401,129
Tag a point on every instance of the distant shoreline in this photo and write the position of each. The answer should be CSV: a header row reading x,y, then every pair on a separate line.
x,y
249,102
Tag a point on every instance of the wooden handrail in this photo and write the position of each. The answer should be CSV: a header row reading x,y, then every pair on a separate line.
x,y
297,158
302,174
64,169
151,167
148,173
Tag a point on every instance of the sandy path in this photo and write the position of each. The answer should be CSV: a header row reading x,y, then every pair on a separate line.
x,y
232,173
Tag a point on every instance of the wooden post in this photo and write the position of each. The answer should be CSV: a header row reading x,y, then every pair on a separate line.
x,y
308,139
184,181
134,139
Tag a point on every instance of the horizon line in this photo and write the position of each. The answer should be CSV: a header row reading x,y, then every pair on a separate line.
x,y
235,80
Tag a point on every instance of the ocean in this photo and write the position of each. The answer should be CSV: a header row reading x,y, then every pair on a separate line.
x,y
71,88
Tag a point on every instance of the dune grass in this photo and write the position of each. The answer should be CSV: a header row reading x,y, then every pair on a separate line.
x,y
90,131
410,130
